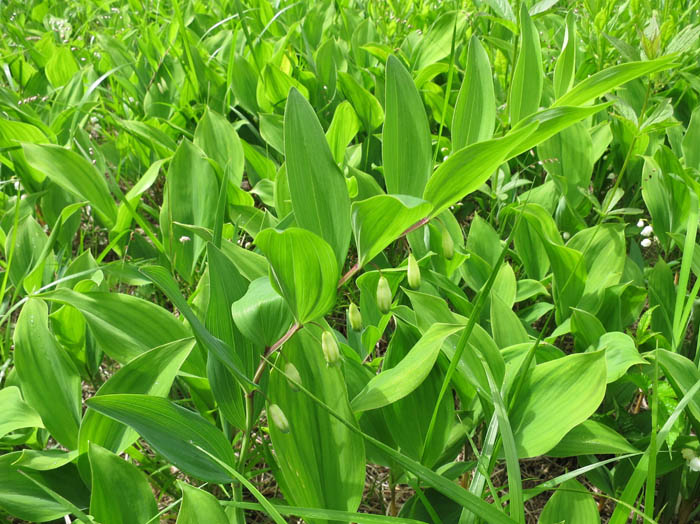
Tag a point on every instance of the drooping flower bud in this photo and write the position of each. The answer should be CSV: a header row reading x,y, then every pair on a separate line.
x,y
355,317
383,295
413,272
647,231
330,348
278,418
448,245
293,376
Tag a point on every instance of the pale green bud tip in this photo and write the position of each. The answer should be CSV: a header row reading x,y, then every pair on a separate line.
x,y
383,295
448,245
355,317
293,376
413,272
278,418
330,348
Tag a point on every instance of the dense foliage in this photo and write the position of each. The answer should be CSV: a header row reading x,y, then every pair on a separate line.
x,y
349,261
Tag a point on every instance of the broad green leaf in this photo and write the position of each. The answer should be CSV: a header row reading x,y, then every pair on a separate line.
x,y
172,431
691,138
683,375
205,339
565,68
24,499
475,110
551,121
50,382
133,196
218,139
343,128
262,314
610,78
302,269
406,146
378,221
199,506
319,194
322,462
226,285
60,67
189,197
620,354
74,174
568,157
328,514
151,373
409,433
30,242
124,326
436,43
591,438
467,169
555,397
120,492
506,327
528,75
363,102
397,382
45,459
571,503
17,414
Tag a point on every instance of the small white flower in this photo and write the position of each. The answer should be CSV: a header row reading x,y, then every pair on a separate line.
x,y
566,235
694,464
16,184
647,231
444,159
640,222
184,238
646,242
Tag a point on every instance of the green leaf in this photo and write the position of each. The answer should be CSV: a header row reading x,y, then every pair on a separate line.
x,y
24,499
620,354
591,438
209,342
189,197
172,431
565,68
343,128
327,514
378,221
262,314
50,382
74,174
218,139
199,506
120,492
319,193
467,169
571,503
557,396
406,146
610,78
60,67
322,462
397,382
475,110
124,326
17,414
151,373
528,75
691,138
363,102
683,375
302,269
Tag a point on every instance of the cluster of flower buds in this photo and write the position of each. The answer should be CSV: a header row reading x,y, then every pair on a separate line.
x,y
647,232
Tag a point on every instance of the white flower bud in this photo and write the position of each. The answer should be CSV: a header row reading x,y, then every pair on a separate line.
x,y
184,239
647,231
640,222
694,464
566,235
646,242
